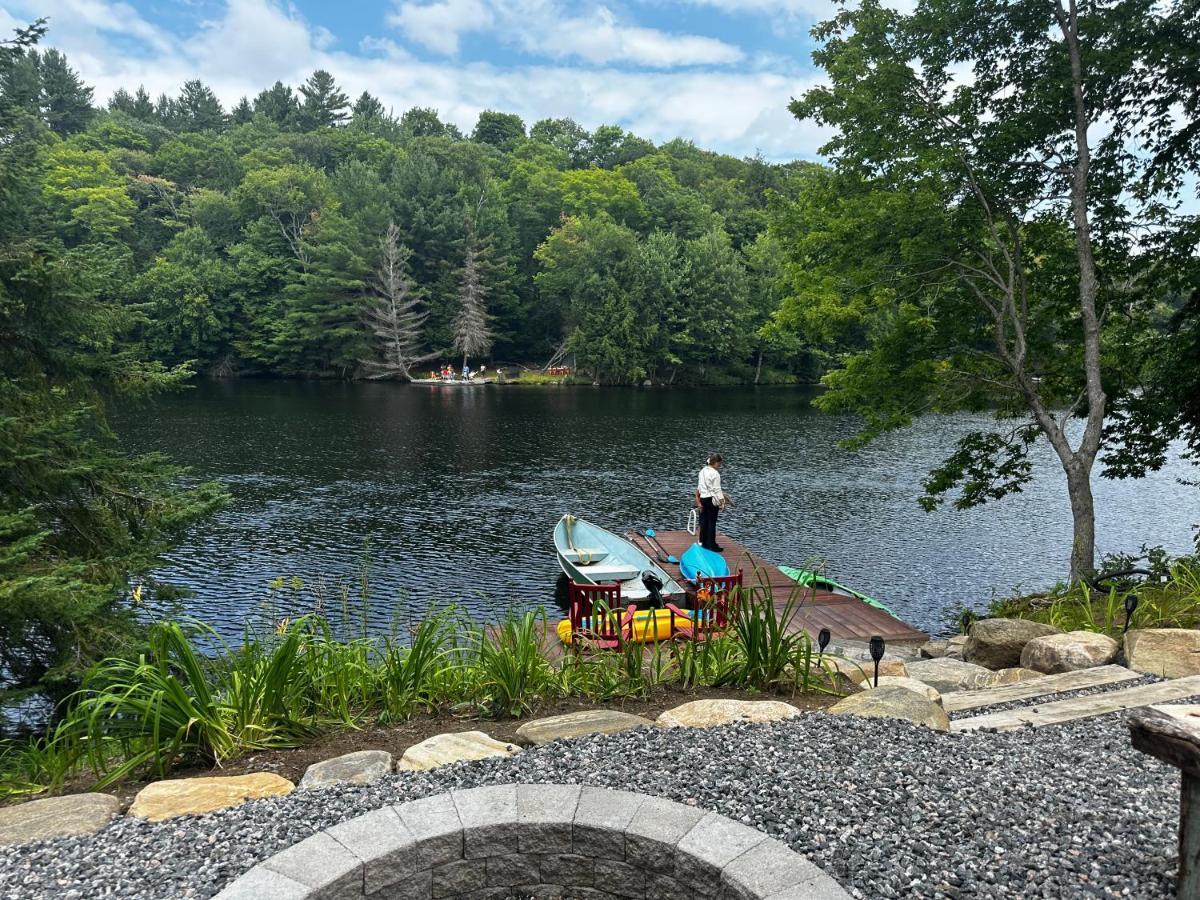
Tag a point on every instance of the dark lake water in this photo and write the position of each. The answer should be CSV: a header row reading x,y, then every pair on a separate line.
x,y
451,494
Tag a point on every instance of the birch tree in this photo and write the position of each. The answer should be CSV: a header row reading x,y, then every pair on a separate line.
x,y
396,317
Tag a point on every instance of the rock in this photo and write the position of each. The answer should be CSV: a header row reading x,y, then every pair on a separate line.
x,y
947,674
55,817
929,693
1167,652
192,796
855,670
443,749
893,702
1012,675
954,646
997,643
1068,652
933,649
704,713
361,767
577,724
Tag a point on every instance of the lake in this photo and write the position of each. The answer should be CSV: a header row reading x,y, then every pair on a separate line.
x,y
450,495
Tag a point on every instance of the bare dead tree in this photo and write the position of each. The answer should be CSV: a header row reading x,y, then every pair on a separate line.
x,y
472,330
395,318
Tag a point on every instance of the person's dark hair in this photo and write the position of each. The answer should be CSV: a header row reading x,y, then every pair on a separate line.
x,y
714,458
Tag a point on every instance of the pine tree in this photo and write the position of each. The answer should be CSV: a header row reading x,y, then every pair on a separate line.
x,y
367,107
472,330
198,108
66,102
324,104
242,113
279,104
396,317
143,106
121,101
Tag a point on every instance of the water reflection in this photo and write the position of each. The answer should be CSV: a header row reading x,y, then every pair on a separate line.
x,y
456,490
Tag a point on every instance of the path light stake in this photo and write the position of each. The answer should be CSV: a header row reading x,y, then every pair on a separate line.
x,y
877,647
968,619
1131,603
822,641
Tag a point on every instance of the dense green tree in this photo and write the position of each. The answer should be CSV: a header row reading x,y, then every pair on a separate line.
x,y
242,113
278,104
324,105
501,130
421,122
197,108
66,102
566,135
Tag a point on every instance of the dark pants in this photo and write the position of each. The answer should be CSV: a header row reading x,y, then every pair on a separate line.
x,y
708,523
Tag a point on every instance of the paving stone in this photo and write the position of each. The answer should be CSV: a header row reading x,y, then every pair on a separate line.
x,y
912,684
321,863
768,868
360,767
261,883
55,817
601,819
443,749
488,816
707,713
435,826
384,844
455,878
715,841
184,796
578,724
655,829
545,813
948,674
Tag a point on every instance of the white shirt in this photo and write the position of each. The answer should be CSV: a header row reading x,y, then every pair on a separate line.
x,y
710,483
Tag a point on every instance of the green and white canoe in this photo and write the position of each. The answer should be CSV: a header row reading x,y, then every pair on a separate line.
x,y
806,578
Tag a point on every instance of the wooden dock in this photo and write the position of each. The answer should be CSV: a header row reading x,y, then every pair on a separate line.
x,y
847,618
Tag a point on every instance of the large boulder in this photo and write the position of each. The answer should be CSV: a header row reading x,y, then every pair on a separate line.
x,y
1168,652
954,647
705,713
894,702
361,767
578,724
997,643
443,749
925,690
55,817
948,674
1001,677
193,796
1068,652
855,670
934,649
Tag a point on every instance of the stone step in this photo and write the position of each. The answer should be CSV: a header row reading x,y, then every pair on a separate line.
x,y
1082,707
955,701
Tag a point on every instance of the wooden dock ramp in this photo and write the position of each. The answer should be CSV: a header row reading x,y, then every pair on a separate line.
x,y
847,618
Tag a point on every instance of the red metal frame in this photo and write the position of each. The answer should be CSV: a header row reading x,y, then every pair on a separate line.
x,y
596,615
716,605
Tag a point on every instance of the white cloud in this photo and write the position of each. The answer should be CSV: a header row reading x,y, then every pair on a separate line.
x,y
543,28
255,42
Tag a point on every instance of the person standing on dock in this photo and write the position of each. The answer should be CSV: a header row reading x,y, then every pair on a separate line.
x,y
709,497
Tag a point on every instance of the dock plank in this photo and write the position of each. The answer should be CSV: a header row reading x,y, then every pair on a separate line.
x,y
956,701
1082,707
847,618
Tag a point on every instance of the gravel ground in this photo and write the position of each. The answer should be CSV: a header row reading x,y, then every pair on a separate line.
x,y
1035,702
888,809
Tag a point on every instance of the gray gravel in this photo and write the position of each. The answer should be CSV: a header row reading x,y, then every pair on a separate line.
x,y
888,809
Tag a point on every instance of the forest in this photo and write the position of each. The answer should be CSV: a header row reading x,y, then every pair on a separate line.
x,y
306,234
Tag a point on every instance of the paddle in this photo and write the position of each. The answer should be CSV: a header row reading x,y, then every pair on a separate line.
x,y
632,537
658,548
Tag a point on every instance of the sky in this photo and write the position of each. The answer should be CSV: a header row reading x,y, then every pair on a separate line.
x,y
718,72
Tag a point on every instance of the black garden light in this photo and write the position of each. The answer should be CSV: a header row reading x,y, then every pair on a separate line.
x,y
822,640
877,649
968,619
1131,603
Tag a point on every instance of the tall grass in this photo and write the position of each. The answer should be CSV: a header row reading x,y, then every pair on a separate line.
x,y
175,705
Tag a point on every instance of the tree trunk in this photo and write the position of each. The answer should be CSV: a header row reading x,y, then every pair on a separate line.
x,y
758,371
1083,517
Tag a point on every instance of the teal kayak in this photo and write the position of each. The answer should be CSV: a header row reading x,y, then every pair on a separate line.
x,y
805,578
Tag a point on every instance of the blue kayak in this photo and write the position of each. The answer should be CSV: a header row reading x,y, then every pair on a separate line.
x,y
697,563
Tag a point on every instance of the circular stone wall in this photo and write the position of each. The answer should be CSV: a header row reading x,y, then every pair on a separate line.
x,y
541,840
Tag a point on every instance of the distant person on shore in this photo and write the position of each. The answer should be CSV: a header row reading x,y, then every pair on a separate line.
x,y
709,499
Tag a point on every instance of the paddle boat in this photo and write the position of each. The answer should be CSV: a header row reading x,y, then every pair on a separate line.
x,y
589,554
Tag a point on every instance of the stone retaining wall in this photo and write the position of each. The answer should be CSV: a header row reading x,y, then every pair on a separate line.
x,y
540,840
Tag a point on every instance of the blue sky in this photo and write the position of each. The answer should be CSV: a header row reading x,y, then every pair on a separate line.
x,y
719,72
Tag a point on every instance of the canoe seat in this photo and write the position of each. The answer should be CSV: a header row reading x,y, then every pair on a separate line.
x,y
582,556
611,571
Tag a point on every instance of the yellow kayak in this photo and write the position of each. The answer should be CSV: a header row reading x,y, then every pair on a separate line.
x,y
649,625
